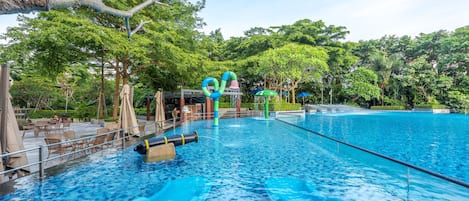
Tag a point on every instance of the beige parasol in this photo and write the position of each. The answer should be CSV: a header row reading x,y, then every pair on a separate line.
x,y
159,111
14,141
128,120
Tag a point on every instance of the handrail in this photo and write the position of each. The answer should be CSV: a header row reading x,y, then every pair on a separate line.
x,y
40,162
156,130
452,180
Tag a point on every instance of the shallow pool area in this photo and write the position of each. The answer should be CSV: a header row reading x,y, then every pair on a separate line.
x,y
243,159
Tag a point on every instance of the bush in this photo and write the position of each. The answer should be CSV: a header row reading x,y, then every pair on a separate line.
x,y
388,107
284,106
439,107
430,106
50,113
224,105
142,111
248,105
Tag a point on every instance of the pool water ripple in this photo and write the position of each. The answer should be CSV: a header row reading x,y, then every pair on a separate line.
x,y
237,161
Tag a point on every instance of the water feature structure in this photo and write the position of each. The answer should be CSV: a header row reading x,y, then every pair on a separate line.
x,y
218,89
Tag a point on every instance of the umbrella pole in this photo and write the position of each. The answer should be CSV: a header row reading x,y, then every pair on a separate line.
x,y
266,108
3,98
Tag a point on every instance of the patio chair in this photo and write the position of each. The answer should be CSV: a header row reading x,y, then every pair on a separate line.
x,y
98,142
55,144
40,126
66,125
70,135
110,138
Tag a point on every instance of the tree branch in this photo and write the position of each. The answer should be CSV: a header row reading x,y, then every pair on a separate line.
x,y
139,27
26,6
143,66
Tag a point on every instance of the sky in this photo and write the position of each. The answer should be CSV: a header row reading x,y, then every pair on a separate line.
x,y
365,19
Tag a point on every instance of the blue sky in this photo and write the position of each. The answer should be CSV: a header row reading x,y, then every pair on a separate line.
x,y
365,19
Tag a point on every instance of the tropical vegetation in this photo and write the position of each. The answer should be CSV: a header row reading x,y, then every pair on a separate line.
x,y
79,59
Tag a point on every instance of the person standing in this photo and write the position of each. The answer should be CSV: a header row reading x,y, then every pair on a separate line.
x,y
175,113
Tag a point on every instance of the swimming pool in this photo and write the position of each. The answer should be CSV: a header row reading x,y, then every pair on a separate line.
x,y
238,159
438,142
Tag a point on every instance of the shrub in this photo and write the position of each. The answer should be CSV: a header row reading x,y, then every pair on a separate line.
x,y
50,113
430,106
141,111
284,106
388,107
248,105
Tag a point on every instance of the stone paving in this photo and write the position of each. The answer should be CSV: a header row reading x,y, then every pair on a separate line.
x,y
30,141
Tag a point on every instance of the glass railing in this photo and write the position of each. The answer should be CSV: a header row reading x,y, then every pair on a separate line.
x,y
404,181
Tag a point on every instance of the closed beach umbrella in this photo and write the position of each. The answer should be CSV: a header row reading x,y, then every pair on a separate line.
x,y
159,113
266,94
128,120
11,140
303,95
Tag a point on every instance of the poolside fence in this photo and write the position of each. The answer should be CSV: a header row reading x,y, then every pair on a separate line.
x,y
58,152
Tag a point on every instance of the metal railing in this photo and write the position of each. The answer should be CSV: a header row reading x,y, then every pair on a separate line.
x,y
46,161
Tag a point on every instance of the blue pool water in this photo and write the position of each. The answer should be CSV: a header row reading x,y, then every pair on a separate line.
x,y
438,142
238,159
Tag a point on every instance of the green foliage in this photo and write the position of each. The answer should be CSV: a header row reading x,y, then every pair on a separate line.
x,y
430,106
459,101
362,84
283,106
141,111
50,114
250,106
388,107
55,50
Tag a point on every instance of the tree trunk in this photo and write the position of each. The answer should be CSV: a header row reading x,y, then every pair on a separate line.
x,y
115,101
382,94
101,92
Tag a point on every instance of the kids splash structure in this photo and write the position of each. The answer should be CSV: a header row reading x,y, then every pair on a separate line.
x,y
266,94
218,90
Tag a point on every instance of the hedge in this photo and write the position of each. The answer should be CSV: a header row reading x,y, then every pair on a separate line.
x,y
430,106
50,113
284,106
388,107
272,106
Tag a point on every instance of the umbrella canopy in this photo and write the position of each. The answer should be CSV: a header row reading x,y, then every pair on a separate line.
x,y
303,94
127,118
266,93
11,138
159,111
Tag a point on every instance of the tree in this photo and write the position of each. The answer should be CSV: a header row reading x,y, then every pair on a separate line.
x,y
292,62
421,77
362,83
383,65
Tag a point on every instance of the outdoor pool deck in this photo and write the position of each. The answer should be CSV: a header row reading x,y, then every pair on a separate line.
x,y
30,141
